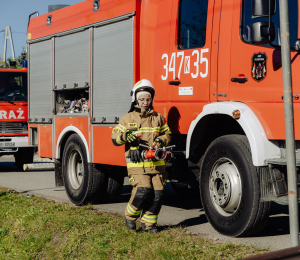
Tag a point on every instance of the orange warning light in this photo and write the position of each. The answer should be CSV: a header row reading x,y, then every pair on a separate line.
x,y
236,114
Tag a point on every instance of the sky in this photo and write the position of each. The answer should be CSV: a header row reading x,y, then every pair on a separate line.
x,y
15,13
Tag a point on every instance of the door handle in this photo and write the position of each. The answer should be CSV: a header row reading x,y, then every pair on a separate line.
x,y
239,80
176,83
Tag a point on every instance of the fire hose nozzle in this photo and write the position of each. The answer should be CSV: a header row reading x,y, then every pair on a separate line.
x,y
159,153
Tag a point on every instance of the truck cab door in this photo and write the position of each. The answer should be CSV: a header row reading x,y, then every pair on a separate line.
x,y
186,66
256,70
222,38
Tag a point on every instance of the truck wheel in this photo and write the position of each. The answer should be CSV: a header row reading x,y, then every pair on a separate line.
x,y
82,186
230,188
24,156
113,184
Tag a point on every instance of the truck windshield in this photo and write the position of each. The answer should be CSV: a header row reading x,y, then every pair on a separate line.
x,y
13,86
248,19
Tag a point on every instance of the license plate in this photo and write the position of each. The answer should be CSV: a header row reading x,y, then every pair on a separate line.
x,y
11,144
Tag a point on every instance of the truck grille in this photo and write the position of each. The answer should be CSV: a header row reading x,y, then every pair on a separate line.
x,y
12,128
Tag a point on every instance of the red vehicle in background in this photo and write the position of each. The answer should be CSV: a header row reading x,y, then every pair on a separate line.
x,y
14,115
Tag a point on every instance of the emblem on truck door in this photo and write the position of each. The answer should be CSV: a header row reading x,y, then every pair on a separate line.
x,y
259,66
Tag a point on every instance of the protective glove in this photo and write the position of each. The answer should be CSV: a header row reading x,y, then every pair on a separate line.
x,y
135,155
130,136
158,143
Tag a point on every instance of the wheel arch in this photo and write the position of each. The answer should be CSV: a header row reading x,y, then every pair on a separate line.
x,y
63,137
216,120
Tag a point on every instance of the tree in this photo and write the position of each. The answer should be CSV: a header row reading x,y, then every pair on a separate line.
x,y
19,60
2,64
21,57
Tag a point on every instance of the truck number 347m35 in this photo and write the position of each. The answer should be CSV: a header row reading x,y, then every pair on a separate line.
x,y
185,64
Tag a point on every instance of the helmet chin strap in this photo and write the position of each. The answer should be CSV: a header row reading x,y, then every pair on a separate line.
x,y
133,104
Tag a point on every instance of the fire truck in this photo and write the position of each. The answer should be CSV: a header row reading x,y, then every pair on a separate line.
x,y
14,116
217,72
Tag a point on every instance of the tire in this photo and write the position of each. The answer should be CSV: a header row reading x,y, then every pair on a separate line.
x,y
83,184
230,188
113,184
24,156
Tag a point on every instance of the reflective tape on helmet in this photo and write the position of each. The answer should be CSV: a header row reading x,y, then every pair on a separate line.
x,y
145,164
137,84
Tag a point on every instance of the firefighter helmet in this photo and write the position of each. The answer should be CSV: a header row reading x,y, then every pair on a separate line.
x,y
142,85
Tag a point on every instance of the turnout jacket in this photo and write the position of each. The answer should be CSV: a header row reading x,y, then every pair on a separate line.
x,y
150,125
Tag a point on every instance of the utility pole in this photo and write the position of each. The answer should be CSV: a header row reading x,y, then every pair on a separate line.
x,y
289,122
8,36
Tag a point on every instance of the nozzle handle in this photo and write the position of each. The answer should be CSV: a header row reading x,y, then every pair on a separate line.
x,y
146,146
171,146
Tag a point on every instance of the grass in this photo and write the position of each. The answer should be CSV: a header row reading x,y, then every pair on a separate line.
x,y
36,228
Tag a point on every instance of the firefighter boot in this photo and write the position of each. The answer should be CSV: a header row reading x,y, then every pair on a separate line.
x,y
130,224
151,229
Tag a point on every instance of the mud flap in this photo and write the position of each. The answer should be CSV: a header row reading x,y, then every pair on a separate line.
x,y
58,173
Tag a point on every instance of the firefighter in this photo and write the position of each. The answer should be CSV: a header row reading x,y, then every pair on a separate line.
x,y
143,125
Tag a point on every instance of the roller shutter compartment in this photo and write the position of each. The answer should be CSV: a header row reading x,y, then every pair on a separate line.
x,y
40,80
72,59
112,70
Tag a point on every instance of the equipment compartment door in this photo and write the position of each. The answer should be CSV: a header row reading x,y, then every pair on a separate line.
x,y
40,80
112,70
187,65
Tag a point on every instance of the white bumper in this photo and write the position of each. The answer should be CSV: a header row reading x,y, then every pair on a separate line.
x,y
14,142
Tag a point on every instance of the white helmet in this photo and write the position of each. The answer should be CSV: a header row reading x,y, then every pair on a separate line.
x,y
142,85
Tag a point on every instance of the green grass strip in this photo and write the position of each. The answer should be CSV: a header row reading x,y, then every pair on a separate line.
x,y
37,228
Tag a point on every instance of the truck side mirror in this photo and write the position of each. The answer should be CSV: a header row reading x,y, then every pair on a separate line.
x,y
260,8
297,45
260,32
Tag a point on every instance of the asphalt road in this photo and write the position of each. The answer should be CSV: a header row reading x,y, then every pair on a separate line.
x,y
175,211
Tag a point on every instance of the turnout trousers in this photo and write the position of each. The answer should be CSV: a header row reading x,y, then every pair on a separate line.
x,y
146,197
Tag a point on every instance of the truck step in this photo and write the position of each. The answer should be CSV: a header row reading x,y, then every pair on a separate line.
x,y
280,161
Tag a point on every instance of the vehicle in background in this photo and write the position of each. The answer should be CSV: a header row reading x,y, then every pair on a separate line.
x,y
14,116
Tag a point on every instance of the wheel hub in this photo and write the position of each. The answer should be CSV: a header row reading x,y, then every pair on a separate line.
x,y
220,188
225,187
75,169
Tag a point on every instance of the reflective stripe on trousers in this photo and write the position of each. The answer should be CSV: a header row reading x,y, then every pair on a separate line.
x,y
150,219
133,212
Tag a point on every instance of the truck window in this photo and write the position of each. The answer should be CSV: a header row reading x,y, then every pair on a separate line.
x,y
247,20
13,86
192,23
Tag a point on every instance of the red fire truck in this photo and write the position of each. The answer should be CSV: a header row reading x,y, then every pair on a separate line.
x,y
14,116
216,68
